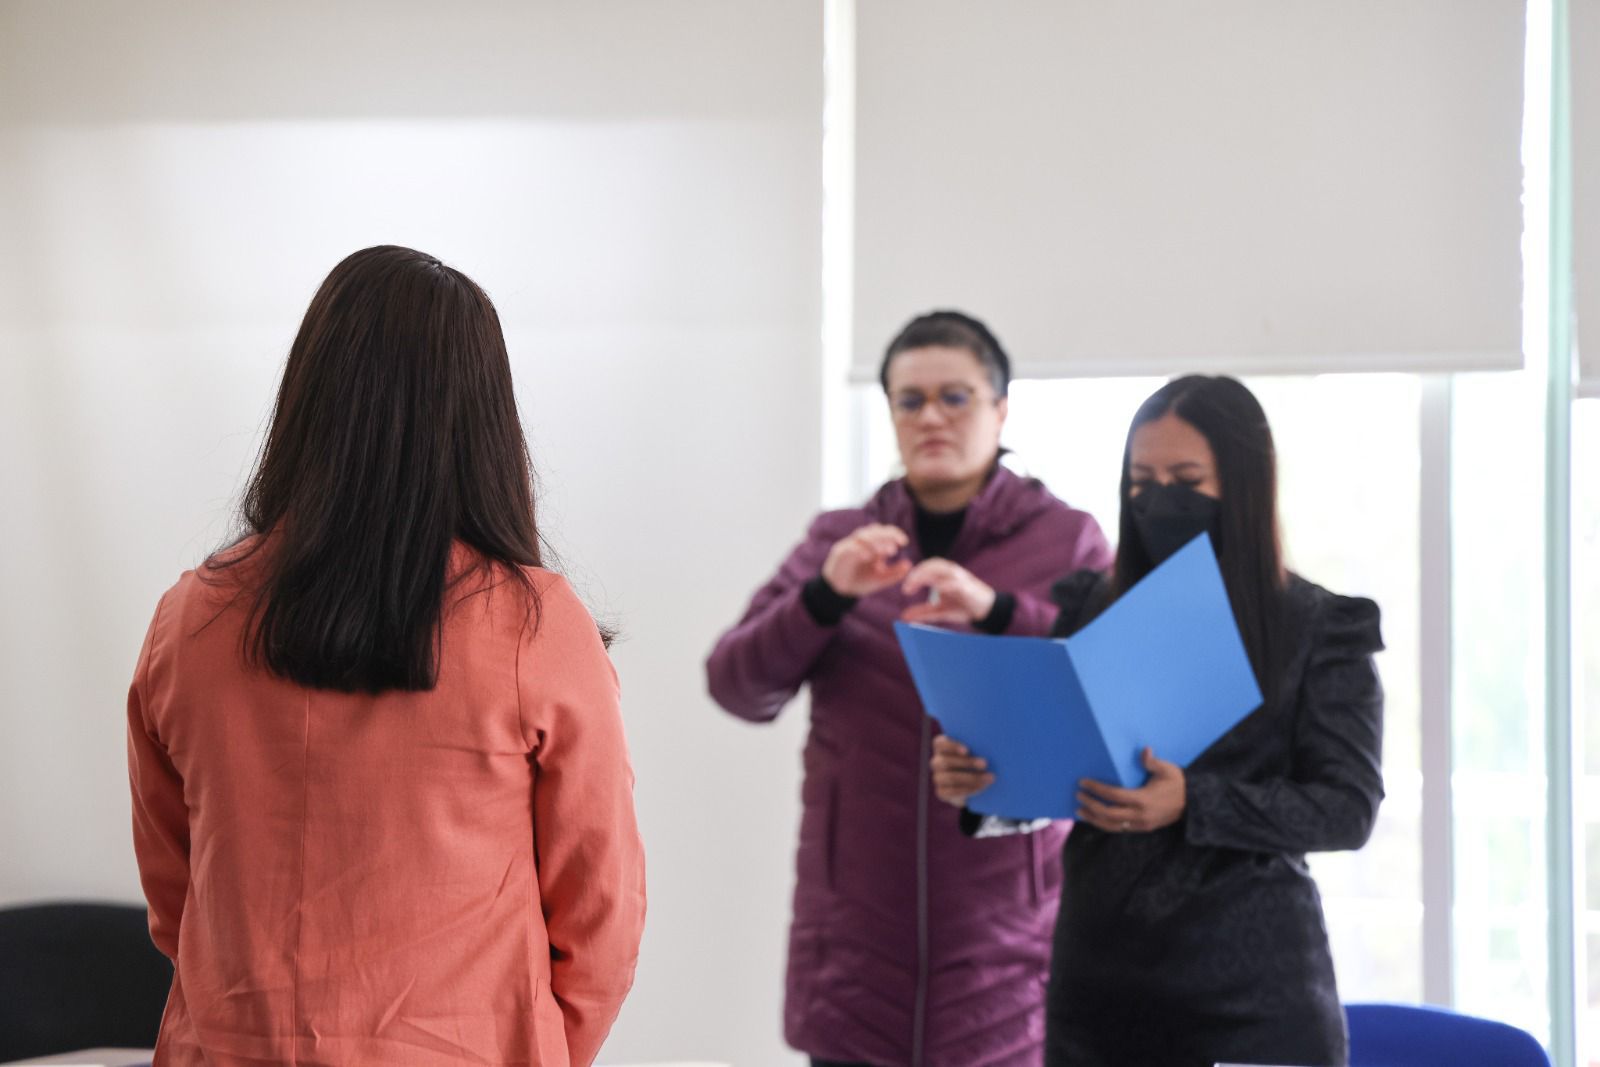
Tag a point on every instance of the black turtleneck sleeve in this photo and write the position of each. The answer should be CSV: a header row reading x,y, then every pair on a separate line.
x,y
824,603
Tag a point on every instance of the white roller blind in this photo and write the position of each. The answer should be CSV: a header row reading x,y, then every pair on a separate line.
x,y
1584,25
1250,185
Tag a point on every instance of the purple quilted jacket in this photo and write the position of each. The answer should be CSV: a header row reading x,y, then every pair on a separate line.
x,y
911,944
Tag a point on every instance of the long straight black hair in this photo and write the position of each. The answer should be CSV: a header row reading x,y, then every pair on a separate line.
x,y
1249,545
395,434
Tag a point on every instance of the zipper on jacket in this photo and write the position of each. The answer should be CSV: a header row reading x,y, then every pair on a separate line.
x,y
1035,882
919,1012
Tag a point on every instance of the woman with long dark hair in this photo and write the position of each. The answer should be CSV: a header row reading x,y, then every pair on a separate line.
x,y
1191,931
382,804
911,943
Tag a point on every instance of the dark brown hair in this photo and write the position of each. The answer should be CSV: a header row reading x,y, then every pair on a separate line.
x,y
395,434
1249,545
951,329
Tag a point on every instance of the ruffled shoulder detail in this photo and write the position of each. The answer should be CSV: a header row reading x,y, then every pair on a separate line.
x,y
1347,628
1081,596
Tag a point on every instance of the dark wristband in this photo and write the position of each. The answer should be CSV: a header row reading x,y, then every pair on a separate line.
x,y
823,603
998,621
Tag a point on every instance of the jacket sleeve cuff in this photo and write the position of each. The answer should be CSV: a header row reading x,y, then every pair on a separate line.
x,y
823,603
998,621
1200,803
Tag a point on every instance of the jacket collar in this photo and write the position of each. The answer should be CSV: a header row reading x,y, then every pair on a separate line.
x,y
1005,503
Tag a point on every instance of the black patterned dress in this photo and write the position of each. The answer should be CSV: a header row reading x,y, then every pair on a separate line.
x,y
1204,941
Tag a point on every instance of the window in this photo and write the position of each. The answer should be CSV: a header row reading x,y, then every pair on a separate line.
x,y
1586,678
1349,470
1380,476
1497,713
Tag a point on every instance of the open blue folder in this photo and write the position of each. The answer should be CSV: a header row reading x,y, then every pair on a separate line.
x,y
1163,666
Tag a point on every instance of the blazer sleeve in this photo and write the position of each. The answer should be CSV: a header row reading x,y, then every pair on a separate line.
x,y
589,856
758,666
160,814
1077,599
1329,800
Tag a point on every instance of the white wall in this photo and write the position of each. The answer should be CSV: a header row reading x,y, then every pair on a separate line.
x,y
636,185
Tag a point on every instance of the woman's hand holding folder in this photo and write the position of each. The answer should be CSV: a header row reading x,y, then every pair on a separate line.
x,y
957,773
1157,803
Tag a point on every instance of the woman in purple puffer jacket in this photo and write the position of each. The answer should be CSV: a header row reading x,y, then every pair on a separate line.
x,y
912,943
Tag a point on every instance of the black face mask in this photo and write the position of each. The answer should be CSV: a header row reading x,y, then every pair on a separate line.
x,y
1170,516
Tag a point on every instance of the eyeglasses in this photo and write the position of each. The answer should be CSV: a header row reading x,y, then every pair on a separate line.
x,y
953,400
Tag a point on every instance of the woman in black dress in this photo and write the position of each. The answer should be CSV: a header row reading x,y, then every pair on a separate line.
x,y
1190,929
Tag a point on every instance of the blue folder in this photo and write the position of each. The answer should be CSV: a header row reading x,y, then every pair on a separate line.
x,y
1163,666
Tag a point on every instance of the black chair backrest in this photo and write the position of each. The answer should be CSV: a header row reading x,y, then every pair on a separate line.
x,y
76,976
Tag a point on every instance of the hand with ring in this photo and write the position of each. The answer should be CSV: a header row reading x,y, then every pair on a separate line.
x,y
1159,802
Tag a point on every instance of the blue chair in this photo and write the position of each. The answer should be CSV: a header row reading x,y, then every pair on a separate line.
x,y
1403,1035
